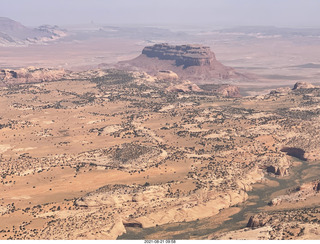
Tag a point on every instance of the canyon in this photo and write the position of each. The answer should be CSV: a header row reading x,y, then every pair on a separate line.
x,y
136,154
121,133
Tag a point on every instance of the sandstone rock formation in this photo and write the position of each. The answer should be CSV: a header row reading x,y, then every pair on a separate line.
x,y
184,55
184,87
279,166
281,171
302,85
196,63
149,206
187,86
258,220
30,75
296,224
281,91
301,193
167,75
228,91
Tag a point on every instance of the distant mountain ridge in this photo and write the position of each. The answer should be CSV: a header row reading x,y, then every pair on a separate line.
x,y
272,31
13,33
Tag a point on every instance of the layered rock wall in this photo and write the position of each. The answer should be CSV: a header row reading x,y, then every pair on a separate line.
x,y
184,55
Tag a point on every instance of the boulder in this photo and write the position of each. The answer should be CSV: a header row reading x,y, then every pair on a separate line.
x,y
275,202
228,91
258,220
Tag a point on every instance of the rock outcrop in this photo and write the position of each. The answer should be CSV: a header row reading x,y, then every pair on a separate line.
x,y
196,63
281,171
301,193
149,206
258,220
228,91
303,85
278,165
167,75
30,75
288,224
281,91
184,87
224,90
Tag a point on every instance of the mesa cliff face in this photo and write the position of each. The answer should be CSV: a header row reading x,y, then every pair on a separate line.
x,y
196,63
183,55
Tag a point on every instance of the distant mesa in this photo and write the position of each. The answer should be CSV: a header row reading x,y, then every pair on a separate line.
x,y
183,55
196,63
307,66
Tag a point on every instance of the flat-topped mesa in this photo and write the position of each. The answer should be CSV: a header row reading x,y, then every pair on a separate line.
x,y
195,63
185,55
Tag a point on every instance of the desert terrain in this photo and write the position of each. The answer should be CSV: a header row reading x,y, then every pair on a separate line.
x,y
92,150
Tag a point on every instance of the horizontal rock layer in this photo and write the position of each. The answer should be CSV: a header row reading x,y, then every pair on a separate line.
x,y
185,55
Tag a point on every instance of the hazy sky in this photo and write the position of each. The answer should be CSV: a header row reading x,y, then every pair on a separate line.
x,y
164,12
